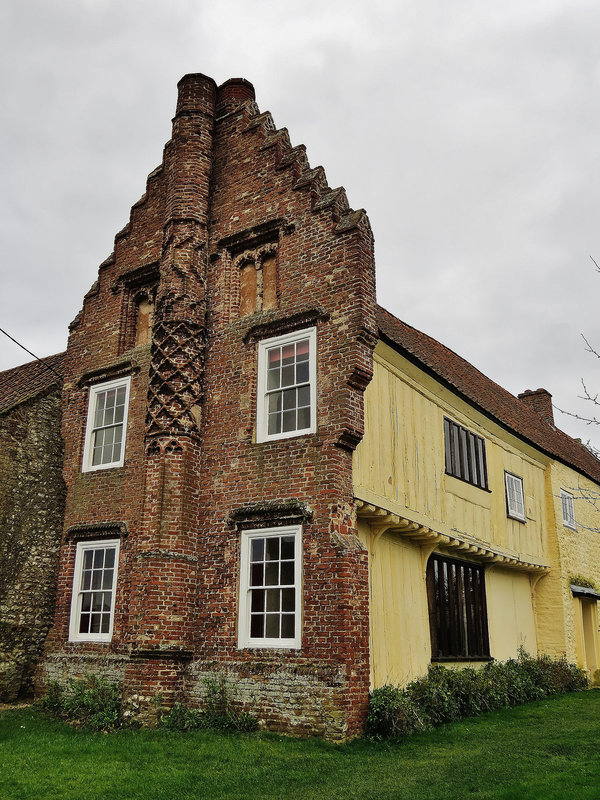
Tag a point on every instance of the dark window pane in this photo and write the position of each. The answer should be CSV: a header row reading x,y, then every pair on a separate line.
x,y
272,626
97,456
98,558
287,547
274,357
287,573
86,602
257,575
275,402
272,573
86,582
288,599
303,396
474,461
257,626
97,579
88,557
302,372
303,418
95,623
99,415
289,399
109,560
105,623
272,548
289,421
288,354
273,379
257,552
302,350
287,376
258,600
274,423
448,446
84,623
287,626
464,463
464,454
273,597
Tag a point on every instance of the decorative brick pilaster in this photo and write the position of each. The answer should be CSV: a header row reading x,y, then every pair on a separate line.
x,y
164,560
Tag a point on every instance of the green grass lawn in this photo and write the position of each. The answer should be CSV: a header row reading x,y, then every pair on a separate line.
x,y
549,749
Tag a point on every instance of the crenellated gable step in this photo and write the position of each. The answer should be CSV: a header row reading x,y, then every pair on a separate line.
x,y
263,121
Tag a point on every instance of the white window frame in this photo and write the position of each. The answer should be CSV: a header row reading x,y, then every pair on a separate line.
x,y
515,497
88,449
77,593
568,509
244,639
262,397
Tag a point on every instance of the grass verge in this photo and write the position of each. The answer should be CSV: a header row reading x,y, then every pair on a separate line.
x,y
547,749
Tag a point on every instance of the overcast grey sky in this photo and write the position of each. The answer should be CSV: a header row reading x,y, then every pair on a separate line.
x,y
469,131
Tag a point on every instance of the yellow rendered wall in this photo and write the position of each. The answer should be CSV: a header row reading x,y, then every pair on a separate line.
x,y
399,630
511,621
400,465
577,552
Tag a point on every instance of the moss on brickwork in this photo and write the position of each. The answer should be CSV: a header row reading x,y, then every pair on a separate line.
x,y
31,517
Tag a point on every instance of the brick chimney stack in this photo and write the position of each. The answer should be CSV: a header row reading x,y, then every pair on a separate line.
x,y
541,401
233,93
163,567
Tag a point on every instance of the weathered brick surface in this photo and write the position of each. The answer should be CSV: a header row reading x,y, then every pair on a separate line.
x,y
31,509
230,183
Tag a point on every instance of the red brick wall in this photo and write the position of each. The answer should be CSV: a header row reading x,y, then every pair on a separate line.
x,y
229,184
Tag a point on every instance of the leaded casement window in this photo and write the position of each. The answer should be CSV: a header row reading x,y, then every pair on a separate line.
x,y
465,454
106,425
270,588
287,388
515,498
568,509
457,610
94,586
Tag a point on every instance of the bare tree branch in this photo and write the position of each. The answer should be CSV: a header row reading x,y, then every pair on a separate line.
x,y
589,348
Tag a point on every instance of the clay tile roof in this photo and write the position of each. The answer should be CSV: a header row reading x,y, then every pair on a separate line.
x,y
506,409
27,381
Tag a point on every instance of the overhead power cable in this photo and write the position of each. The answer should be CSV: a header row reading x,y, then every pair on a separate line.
x,y
41,360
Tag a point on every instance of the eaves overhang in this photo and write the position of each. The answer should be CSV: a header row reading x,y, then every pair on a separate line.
x,y
458,544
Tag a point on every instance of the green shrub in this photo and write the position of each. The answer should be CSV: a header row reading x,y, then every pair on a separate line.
x,y
445,695
393,713
51,702
91,701
181,718
219,712
436,695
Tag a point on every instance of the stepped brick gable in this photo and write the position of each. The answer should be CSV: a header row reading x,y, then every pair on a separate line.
x,y
236,243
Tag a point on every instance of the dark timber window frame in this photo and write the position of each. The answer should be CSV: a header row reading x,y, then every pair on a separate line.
x,y
465,455
458,620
